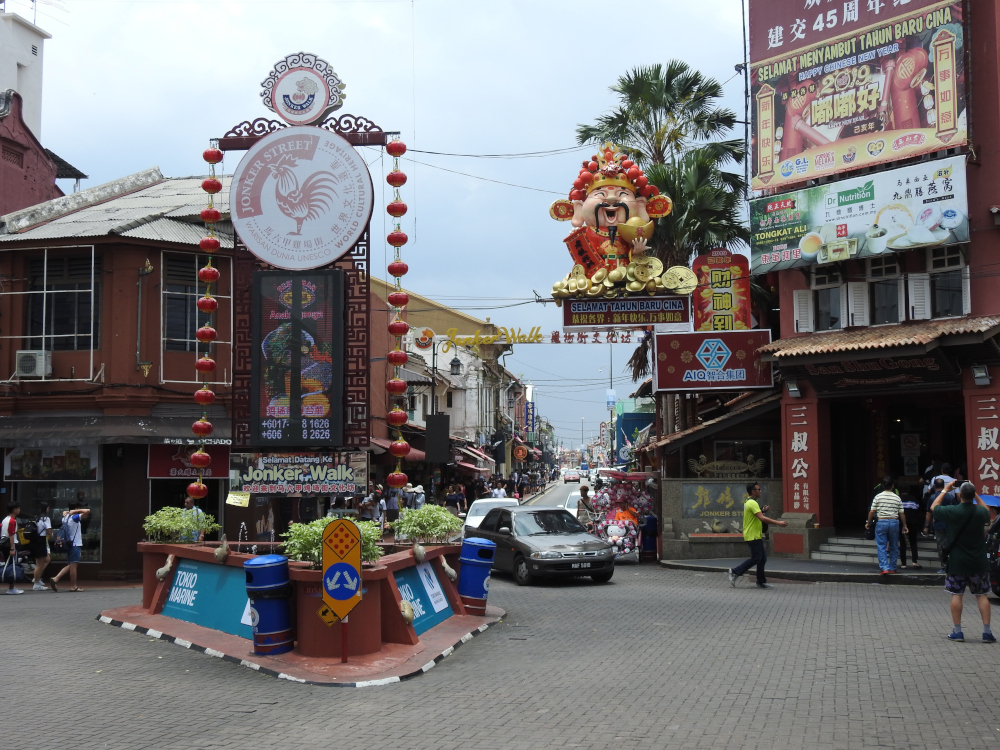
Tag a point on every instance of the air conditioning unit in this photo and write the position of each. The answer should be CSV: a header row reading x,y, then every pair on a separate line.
x,y
33,363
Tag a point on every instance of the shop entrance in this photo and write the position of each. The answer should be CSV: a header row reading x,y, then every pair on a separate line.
x,y
898,435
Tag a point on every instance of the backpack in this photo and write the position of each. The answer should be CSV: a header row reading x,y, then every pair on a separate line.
x,y
26,535
64,539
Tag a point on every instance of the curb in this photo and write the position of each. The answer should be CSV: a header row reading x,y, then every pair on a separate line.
x,y
281,675
923,579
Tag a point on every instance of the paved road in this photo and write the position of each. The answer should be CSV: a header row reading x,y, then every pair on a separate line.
x,y
655,659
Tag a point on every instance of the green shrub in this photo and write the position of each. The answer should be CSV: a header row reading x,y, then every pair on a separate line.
x,y
178,526
431,523
304,541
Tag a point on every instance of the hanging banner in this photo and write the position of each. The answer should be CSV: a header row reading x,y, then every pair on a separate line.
x,y
341,473
919,206
173,462
671,312
876,95
706,361
81,462
722,299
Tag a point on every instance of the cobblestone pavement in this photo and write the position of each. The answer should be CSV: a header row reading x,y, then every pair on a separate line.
x,y
655,659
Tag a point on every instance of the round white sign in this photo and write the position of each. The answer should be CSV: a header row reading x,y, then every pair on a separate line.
x,y
300,96
301,198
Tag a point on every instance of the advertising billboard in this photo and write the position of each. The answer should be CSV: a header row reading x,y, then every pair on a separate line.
x,y
722,300
341,473
711,361
877,94
298,352
919,206
80,462
599,314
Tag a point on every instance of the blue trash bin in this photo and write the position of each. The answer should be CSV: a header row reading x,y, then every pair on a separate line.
x,y
474,577
269,588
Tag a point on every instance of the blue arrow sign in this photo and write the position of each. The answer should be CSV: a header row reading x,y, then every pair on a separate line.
x,y
341,581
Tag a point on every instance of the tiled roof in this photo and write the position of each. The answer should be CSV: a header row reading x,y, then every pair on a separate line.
x,y
914,333
765,401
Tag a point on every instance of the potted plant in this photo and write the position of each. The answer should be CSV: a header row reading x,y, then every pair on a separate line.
x,y
429,524
178,526
304,541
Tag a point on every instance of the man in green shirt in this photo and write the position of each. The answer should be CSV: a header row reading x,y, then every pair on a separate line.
x,y
753,527
967,564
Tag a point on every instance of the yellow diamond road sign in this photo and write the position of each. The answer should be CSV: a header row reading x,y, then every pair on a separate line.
x,y
341,567
327,615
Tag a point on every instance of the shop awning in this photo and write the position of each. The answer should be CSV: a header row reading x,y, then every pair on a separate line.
x,y
480,454
49,432
474,455
413,456
749,411
413,378
470,467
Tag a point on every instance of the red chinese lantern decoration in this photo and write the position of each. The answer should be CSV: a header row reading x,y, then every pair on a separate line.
x,y
399,448
396,209
396,387
397,358
397,417
397,479
397,238
399,299
396,178
206,333
399,327
398,268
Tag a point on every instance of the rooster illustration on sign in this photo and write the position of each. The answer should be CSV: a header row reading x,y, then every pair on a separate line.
x,y
310,201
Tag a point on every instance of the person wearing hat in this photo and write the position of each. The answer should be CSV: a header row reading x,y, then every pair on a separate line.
x,y
418,497
967,565
406,497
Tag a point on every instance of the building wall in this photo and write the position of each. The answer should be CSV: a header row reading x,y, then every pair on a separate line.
x,y
27,174
22,51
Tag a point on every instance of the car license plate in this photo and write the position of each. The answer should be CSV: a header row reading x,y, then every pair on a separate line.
x,y
581,565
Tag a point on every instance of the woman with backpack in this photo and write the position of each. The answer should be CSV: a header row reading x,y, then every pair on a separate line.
x,y
40,548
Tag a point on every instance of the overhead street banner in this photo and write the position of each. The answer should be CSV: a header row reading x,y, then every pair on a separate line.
x,y
711,361
922,205
667,312
879,94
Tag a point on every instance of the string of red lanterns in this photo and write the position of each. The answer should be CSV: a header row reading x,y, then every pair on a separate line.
x,y
206,334
398,327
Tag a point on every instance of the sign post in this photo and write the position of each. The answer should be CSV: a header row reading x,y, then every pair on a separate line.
x,y
341,573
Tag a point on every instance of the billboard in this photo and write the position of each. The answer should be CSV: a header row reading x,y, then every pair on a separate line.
x,y
80,462
599,314
919,206
298,352
875,95
722,298
711,361
339,473
174,462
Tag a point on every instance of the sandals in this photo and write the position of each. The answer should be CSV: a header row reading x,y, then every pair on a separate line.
x,y
76,589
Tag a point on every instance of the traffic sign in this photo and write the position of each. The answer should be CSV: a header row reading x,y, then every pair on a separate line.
x,y
341,567
327,616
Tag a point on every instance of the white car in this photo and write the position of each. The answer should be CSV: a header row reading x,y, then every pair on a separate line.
x,y
570,503
479,509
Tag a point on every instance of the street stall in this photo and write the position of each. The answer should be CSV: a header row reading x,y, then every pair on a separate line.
x,y
623,504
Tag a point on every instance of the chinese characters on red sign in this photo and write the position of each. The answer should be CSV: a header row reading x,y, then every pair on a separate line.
x,y
722,299
799,434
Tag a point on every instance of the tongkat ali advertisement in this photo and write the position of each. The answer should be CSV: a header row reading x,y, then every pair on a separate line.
x,y
886,92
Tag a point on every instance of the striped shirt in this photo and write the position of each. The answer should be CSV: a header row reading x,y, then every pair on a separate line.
x,y
887,505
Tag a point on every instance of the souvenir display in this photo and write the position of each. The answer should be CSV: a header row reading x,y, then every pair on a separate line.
x,y
621,509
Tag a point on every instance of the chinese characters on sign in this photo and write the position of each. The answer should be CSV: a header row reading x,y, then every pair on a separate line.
x,y
901,209
703,361
874,95
799,428
668,313
714,501
722,299
984,470
597,337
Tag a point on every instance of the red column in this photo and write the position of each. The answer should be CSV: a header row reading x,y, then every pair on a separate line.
x,y
982,429
806,462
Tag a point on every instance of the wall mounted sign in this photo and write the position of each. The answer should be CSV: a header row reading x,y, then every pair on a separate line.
x,y
716,501
669,312
344,473
301,198
173,462
888,373
722,299
424,339
81,463
918,206
706,361
298,352
302,89
873,95
210,595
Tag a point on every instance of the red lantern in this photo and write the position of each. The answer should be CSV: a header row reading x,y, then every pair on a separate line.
x,y
396,148
396,209
577,195
399,299
209,244
200,460
208,274
204,396
398,268
397,358
208,304
397,238
197,490
205,364
396,386
211,215
397,479
396,178
211,185
399,448
202,428
399,327
396,417
205,334
212,155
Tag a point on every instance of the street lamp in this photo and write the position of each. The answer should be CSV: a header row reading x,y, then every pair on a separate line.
x,y
456,366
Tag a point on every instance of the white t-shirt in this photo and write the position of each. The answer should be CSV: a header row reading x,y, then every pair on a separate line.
x,y
42,526
8,530
499,492
72,523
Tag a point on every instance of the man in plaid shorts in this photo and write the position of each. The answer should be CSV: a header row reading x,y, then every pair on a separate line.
x,y
967,564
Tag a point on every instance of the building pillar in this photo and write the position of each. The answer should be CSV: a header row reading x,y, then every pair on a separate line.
x,y
807,498
982,430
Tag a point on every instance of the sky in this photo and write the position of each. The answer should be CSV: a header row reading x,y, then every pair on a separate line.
x,y
130,84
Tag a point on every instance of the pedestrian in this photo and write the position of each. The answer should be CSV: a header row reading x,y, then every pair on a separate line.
x,y
195,517
937,488
406,497
887,516
913,511
967,564
40,547
498,490
392,505
418,497
585,511
8,545
753,530
71,519
366,509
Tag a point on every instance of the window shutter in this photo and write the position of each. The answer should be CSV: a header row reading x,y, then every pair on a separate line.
x,y
901,303
966,291
920,296
856,296
802,305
